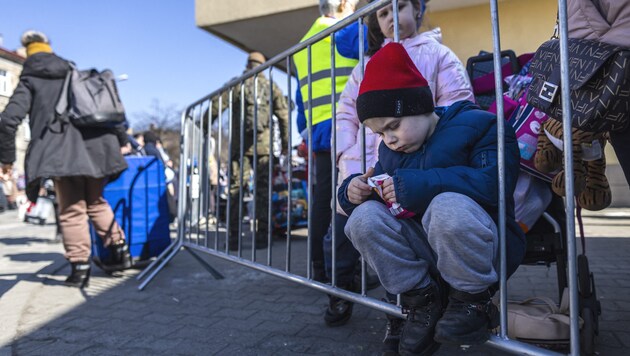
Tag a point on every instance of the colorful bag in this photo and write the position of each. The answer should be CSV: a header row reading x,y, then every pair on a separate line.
x,y
527,123
599,78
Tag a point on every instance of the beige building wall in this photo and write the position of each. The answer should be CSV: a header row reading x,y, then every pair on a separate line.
x,y
524,25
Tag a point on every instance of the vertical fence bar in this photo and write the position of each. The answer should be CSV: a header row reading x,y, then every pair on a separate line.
x,y
568,177
254,213
395,12
193,177
270,173
230,178
208,170
287,267
199,152
333,157
240,176
218,147
363,148
183,176
498,82
311,176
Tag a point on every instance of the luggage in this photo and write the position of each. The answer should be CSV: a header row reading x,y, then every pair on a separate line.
x,y
139,201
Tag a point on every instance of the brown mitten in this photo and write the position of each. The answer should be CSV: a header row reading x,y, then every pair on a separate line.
x,y
596,195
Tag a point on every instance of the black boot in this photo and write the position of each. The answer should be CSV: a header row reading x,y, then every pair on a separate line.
x,y
119,256
339,310
467,319
392,335
80,275
423,308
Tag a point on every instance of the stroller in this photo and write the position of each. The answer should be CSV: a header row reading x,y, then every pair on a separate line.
x,y
546,237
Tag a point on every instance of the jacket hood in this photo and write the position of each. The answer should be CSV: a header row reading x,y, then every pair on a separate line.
x,y
431,36
45,65
447,112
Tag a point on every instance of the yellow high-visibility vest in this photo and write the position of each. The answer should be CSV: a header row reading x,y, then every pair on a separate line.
x,y
321,98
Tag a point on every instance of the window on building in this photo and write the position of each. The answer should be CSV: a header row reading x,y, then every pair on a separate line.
x,y
5,83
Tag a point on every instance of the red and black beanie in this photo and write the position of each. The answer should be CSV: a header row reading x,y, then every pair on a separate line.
x,y
392,86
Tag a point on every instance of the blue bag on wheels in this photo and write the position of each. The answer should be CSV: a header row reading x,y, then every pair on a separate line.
x,y
139,201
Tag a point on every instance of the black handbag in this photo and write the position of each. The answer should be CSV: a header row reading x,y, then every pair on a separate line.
x,y
599,78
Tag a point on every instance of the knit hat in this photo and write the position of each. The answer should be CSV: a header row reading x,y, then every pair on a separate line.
x,y
31,36
392,86
256,57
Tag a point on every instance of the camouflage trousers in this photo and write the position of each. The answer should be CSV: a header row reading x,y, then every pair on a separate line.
x,y
262,194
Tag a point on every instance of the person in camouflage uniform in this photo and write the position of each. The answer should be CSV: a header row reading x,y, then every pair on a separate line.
x,y
263,146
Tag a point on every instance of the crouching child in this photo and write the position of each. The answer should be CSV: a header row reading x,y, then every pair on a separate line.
x,y
442,257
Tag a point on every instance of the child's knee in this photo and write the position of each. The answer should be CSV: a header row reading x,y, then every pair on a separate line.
x,y
363,217
445,206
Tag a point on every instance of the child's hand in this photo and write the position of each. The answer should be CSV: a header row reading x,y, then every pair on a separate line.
x,y
389,193
358,189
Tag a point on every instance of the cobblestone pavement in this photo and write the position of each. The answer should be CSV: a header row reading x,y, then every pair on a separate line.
x,y
187,312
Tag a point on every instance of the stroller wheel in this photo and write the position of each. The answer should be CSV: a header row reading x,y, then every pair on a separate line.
x,y
587,335
584,277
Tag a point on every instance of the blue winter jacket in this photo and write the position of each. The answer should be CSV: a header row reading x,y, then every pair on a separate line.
x,y
461,157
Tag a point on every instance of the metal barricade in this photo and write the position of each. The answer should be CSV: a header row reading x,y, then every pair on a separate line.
x,y
194,192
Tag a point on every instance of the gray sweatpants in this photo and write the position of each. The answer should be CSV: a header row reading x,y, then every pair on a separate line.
x,y
457,237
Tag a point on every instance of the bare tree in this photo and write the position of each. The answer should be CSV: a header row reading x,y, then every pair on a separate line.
x,y
159,118
164,120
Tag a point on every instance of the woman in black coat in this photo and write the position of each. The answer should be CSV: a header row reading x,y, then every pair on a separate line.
x,y
80,160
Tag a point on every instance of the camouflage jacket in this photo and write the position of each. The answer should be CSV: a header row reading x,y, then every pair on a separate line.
x,y
252,97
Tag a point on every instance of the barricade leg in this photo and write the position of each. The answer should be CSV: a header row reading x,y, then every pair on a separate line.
x,y
157,270
205,264
156,261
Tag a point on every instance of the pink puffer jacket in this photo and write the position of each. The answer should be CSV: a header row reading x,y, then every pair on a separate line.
x,y
600,20
443,71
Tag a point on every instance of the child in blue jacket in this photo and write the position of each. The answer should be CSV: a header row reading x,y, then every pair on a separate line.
x,y
443,167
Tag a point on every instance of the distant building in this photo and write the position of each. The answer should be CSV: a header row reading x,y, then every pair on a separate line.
x,y
10,68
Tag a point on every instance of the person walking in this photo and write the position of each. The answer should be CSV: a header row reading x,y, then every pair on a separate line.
x,y
80,160
255,95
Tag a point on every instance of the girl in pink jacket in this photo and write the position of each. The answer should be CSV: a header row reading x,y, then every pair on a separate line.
x,y
445,73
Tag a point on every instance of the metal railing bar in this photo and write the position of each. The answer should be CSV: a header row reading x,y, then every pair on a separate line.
x,y
568,177
253,223
333,158
309,125
270,173
240,176
289,172
498,82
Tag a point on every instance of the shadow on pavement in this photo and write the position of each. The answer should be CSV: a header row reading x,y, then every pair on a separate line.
x,y
185,311
26,240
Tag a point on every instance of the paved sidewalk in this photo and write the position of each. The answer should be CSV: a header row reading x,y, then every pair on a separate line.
x,y
186,312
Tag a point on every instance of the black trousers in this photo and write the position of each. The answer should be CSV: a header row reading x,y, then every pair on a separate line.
x,y
322,211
